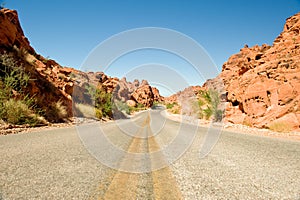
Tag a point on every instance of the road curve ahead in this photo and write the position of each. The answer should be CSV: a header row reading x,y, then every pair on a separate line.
x,y
146,157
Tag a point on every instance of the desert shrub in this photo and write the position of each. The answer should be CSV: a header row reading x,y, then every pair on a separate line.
x,y
15,106
155,103
283,127
138,107
176,110
123,107
170,105
248,122
173,108
201,103
57,112
13,78
102,100
208,105
218,115
208,112
98,113
18,112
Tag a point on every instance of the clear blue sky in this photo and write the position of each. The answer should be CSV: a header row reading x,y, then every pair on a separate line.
x,y
68,30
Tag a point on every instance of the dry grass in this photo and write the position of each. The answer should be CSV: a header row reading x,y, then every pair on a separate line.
x,y
57,112
176,109
18,112
86,110
61,109
282,127
247,122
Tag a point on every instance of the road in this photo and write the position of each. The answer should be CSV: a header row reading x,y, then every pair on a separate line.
x,y
147,157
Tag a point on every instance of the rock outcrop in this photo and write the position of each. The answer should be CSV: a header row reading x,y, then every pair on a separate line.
x,y
157,97
263,82
185,99
122,90
184,95
144,95
11,31
50,82
140,93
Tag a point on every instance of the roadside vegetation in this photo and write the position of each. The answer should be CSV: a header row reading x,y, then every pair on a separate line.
x,y
104,106
173,108
101,101
208,105
282,127
126,109
17,105
205,106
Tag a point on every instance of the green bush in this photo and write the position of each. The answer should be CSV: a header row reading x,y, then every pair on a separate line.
x,y
138,107
210,100
208,112
176,110
171,105
102,100
98,113
13,78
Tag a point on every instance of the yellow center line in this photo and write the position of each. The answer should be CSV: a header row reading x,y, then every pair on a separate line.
x,y
164,183
124,185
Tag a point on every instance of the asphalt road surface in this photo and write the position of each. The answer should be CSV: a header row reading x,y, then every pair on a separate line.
x,y
147,157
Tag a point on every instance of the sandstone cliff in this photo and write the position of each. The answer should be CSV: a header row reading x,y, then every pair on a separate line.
x,y
263,82
48,81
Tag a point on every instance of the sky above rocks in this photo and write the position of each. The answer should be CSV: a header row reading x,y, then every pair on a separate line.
x,y
67,31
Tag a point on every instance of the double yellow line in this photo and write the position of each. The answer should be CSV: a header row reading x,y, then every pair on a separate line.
x,y
124,185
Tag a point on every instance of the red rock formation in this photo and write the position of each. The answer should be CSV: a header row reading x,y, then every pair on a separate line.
x,y
263,82
11,31
122,89
171,99
157,96
143,95
51,82
186,94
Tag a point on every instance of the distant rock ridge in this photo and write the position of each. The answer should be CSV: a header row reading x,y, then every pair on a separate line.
x,y
122,90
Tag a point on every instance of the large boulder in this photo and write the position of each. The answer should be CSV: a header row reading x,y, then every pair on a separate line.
x,y
143,95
